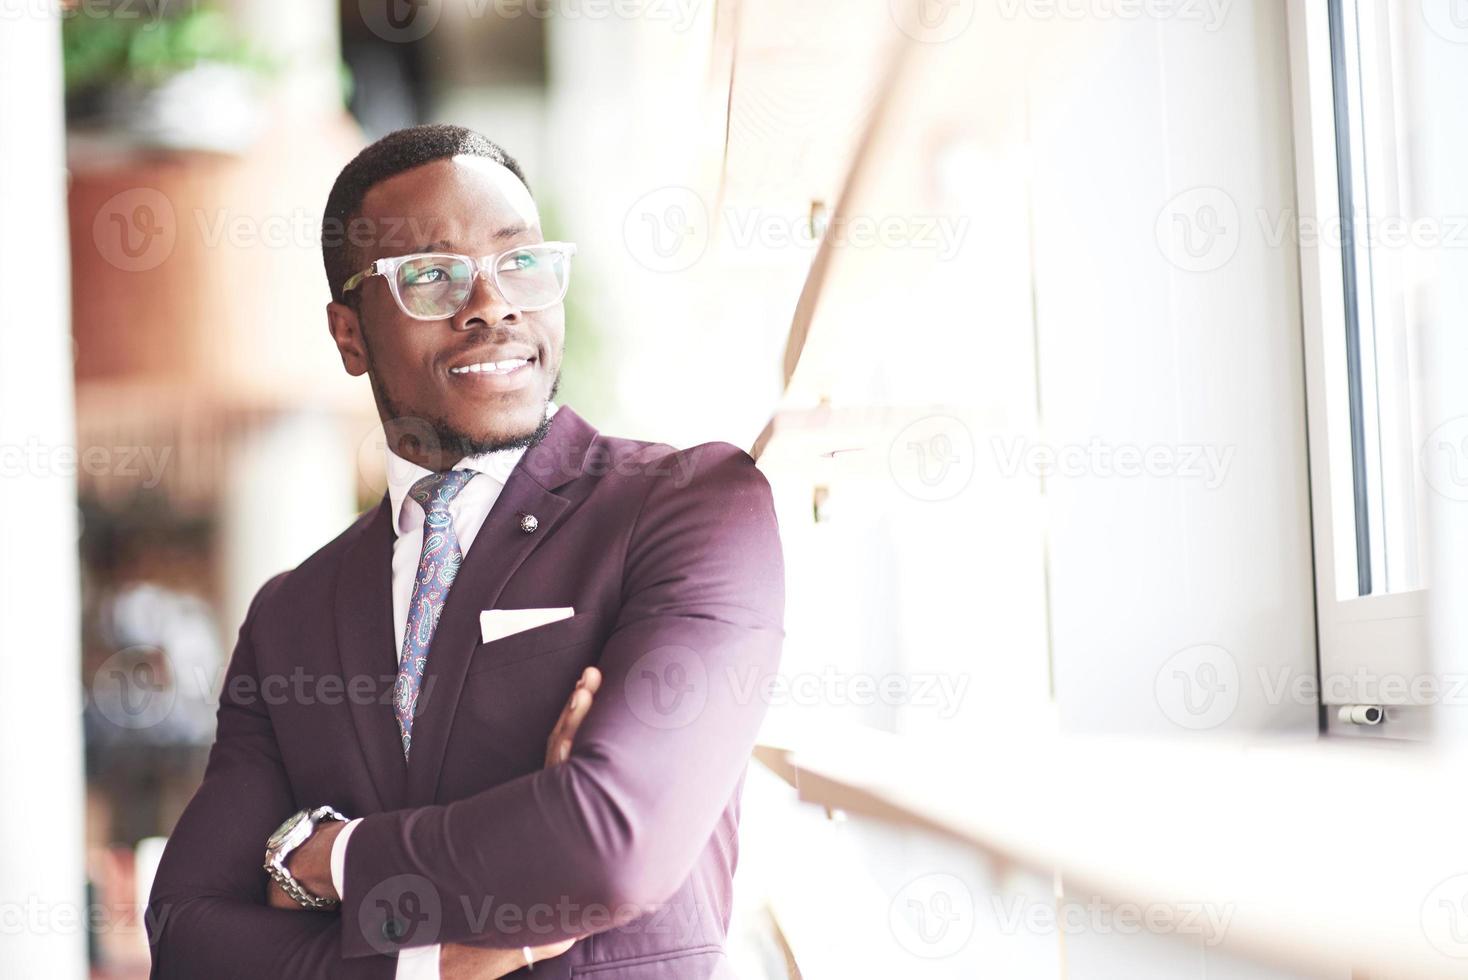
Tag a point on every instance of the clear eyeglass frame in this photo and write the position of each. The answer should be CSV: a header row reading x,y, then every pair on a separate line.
x,y
487,265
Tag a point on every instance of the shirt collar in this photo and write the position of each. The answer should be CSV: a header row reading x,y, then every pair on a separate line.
x,y
402,474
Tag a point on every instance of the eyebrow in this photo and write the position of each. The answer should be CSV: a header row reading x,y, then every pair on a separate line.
x,y
442,245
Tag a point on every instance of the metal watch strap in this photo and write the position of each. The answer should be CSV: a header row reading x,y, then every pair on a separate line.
x,y
292,887
287,881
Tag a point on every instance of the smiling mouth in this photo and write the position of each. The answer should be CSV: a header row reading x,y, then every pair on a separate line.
x,y
509,366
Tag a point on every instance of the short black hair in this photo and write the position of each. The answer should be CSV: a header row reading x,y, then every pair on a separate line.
x,y
395,153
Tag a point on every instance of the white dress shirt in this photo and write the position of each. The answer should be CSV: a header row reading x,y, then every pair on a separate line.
x,y
468,510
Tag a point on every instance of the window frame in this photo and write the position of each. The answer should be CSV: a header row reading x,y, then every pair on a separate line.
x,y
1363,640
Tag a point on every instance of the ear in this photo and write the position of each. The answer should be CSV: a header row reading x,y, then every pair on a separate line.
x,y
346,331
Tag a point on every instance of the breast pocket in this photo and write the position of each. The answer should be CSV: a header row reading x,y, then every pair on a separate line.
x,y
581,628
513,694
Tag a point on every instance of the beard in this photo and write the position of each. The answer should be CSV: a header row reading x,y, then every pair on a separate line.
x,y
422,430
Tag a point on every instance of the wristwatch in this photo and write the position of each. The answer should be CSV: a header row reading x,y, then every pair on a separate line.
x,y
287,837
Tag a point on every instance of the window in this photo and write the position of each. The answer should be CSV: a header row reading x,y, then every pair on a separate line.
x,y
1360,251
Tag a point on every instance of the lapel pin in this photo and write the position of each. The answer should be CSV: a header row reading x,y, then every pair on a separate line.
x,y
528,523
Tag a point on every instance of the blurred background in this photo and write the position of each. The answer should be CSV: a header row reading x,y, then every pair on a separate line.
x,y
1104,356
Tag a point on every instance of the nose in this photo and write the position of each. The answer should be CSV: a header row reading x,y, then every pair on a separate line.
x,y
486,307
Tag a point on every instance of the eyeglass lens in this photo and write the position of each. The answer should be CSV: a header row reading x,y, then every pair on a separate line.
x,y
437,286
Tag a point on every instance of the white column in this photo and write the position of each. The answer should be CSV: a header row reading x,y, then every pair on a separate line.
x,y
291,489
42,920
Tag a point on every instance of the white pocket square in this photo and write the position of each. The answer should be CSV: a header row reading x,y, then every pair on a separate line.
x,y
496,624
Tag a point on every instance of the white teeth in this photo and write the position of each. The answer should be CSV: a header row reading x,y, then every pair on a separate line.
x,y
491,367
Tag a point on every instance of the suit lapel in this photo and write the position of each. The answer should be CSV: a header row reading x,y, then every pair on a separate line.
x,y
498,551
368,650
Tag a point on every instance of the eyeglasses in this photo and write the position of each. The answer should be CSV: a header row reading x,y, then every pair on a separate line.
x,y
437,285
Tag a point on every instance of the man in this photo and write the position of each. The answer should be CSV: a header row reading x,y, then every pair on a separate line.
x,y
494,822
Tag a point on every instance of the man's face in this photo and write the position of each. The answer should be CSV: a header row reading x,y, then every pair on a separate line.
x,y
474,207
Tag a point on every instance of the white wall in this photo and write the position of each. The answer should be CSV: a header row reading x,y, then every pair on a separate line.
x,y
41,873
634,136
1438,70
1182,597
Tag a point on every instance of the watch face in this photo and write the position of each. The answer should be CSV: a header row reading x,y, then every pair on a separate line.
x,y
283,832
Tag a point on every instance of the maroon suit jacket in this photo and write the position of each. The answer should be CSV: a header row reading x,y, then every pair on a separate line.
x,y
673,563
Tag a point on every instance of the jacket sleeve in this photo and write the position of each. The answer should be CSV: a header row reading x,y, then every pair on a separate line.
x,y
207,915
597,841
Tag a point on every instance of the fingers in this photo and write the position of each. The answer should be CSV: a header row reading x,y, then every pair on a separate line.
x,y
552,950
558,746
580,704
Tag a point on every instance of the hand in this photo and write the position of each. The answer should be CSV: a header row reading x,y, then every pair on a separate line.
x,y
459,962
558,746
311,865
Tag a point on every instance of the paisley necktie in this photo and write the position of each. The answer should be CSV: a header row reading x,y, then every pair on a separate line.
x,y
437,565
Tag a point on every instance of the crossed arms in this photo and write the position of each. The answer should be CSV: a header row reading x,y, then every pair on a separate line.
x,y
614,828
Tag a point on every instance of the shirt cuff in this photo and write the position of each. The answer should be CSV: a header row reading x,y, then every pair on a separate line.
x,y
415,963
339,856
418,963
